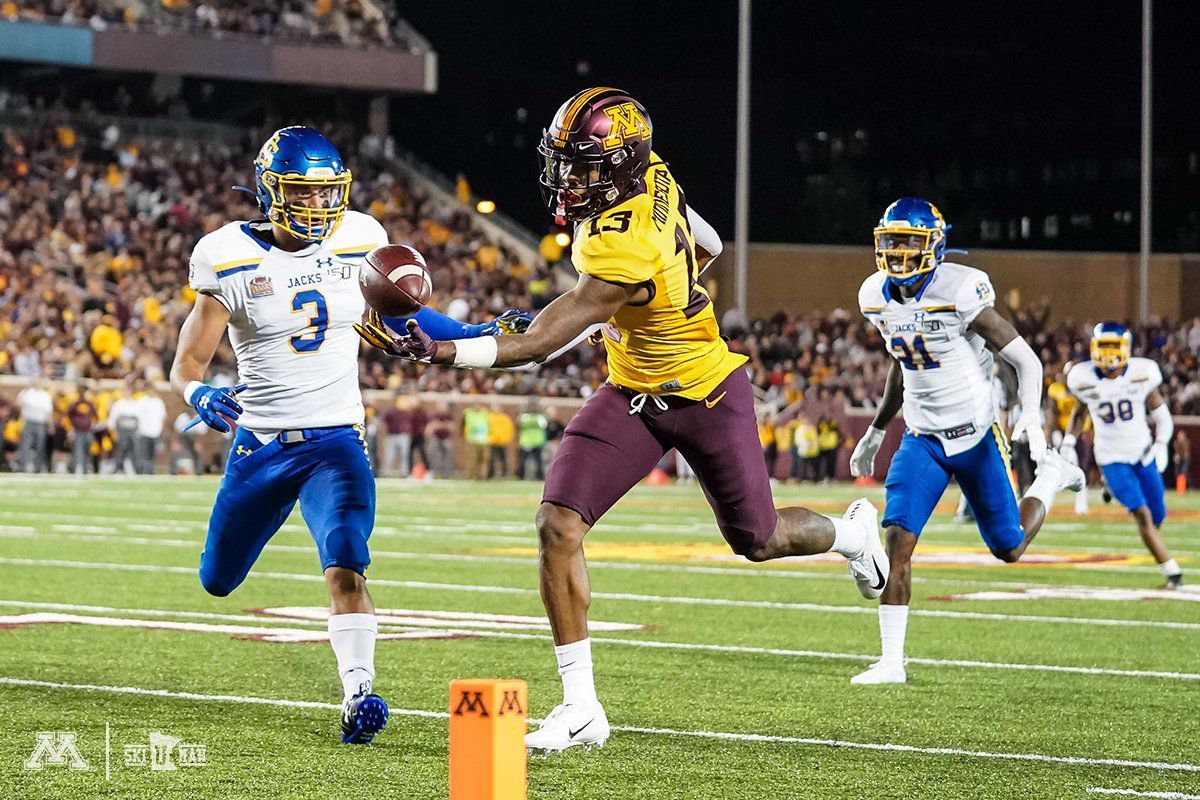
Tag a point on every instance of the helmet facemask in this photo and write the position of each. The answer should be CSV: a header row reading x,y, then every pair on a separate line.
x,y
576,185
905,253
309,207
1111,351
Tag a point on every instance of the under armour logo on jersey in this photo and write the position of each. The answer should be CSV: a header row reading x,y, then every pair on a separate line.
x,y
324,263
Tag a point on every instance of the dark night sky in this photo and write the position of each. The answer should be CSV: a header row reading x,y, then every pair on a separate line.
x,y
975,83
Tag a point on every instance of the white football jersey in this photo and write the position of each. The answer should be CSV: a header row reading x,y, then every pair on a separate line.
x,y
947,369
1118,408
291,321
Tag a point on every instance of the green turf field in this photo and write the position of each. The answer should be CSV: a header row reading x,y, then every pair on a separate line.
x,y
735,675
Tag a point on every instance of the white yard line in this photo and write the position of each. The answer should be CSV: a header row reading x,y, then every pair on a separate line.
x,y
1158,766
717,648
626,596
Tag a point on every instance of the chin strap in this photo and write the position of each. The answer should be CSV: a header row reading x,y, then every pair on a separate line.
x,y
560,212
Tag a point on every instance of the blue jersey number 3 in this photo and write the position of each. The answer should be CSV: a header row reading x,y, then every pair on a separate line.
x,y
311,340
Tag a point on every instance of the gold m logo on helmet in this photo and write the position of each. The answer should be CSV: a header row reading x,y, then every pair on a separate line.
x,y
627,123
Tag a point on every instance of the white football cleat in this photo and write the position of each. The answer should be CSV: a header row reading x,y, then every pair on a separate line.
x,y
569,726
1070,477
870,569
880,674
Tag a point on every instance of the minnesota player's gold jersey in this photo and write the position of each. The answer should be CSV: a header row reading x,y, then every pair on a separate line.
x,y
669,345
1064,404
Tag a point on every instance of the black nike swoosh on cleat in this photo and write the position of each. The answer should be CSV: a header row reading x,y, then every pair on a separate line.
x,y
572,734
879,572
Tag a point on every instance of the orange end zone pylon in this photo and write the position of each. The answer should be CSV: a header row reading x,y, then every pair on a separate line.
x,y
487,740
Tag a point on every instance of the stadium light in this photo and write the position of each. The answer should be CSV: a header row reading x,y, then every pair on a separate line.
x,y
485,206
562,238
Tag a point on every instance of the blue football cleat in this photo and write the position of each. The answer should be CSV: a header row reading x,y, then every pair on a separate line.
x,y
363,716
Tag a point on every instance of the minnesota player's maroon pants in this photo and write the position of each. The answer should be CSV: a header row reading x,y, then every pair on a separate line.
x,y
606,450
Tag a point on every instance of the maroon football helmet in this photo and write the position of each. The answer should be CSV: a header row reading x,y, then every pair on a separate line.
x,y
594,153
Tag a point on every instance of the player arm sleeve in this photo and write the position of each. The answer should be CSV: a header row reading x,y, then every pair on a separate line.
x,y
1020,355
705,236
202,278
1164,426
437,325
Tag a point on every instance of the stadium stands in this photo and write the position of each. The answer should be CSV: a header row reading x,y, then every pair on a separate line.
x,y
355,23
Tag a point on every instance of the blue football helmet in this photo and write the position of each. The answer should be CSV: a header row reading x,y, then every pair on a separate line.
x,y
1112,345
301,184
910,239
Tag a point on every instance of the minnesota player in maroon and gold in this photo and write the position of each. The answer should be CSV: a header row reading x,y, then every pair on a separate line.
x,y
673,383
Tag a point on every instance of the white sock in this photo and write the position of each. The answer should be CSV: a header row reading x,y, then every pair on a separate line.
x,y
353,639
1044,486
1081,502
893,622
575,669
847,538
1169,568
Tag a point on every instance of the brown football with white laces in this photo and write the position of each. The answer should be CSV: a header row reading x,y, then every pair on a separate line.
x,y
394,280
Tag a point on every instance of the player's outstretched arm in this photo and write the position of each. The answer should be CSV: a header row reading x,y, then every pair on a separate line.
x,y
1003,338
564,321
442,328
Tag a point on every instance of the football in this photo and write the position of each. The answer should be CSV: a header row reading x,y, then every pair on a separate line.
x,y
394,280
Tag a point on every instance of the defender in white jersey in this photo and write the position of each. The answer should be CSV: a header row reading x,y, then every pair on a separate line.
x,y
938,321
286,287
1116,391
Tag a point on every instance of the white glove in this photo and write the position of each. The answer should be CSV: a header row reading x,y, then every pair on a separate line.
x,y
1029,427
862,460
1067,450
1159,450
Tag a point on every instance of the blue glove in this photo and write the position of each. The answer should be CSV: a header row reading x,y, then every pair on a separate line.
x,y
216,406
511,321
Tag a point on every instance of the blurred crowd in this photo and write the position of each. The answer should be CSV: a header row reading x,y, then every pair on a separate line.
x,y
126,427
355,23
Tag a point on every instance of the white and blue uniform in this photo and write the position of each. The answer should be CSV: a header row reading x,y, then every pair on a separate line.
x,y
1123,445
949,402
301,435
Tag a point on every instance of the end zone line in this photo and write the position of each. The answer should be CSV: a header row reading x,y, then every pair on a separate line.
x,y
1159,766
